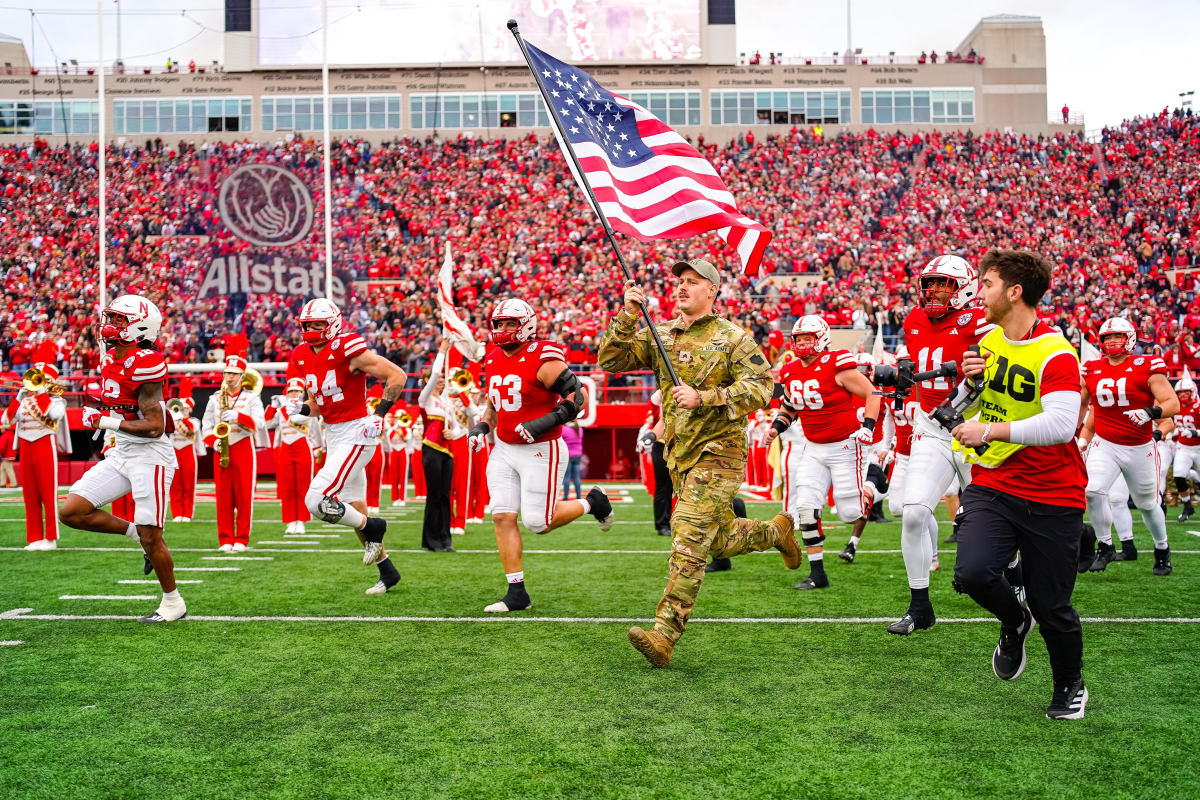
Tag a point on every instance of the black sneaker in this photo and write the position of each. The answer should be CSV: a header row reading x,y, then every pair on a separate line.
x,y
1008,662
719,565
912,621
512,601
147,567
664,531
1105,553
952,538
1162,561
1087,548
601,508
812,583
847,554
1188,510
1069,702
1128,551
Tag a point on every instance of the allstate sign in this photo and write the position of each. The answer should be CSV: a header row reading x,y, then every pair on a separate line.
x,y
266,205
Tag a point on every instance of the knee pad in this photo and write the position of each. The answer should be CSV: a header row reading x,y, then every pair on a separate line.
x,y
809,529
739,508
330,509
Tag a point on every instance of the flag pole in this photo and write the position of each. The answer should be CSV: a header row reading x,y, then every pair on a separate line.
x,y
608,231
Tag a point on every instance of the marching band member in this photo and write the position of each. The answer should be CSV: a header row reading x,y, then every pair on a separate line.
x,y
38,413
186,441
397,431
237,412
441,428
375,466
294,443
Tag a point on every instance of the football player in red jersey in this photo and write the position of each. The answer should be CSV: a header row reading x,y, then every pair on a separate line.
x,y
939,331
531,392
142,462
1187,443
1127,393
818,389
334,365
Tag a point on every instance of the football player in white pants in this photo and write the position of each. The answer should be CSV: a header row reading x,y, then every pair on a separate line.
x,y
531,393
1127,394
142,461
1186,444
817,390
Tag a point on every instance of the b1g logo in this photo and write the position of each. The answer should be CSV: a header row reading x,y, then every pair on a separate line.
x,y
1012,379
266,205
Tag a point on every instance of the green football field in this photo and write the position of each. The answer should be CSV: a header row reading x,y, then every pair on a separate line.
x,y
287,681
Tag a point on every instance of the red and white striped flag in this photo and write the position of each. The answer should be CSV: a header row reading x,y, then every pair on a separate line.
x,y
648,181
452,324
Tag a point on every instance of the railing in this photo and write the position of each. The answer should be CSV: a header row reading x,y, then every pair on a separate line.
x,y
857,59
1069,119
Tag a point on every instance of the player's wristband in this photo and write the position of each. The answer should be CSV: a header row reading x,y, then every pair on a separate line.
x,y
480,428
868,423
384,406
109,423
1158,435
778,425
1155,412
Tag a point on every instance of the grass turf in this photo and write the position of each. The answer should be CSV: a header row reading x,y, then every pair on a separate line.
x,y
215,709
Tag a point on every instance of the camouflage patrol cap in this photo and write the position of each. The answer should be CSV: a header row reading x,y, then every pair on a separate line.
x,y
702,268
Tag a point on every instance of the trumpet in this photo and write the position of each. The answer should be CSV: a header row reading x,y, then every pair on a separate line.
x,y
404,420
462,380
177,407
34,380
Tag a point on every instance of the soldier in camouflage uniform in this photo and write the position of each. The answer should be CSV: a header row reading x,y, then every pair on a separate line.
x,y
725,377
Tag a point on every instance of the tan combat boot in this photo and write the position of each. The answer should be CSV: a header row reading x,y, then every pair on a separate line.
x,y
653,645
787,540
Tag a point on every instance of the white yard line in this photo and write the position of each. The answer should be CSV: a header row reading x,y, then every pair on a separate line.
x,y
25,614
156,582
108,597
11,643
208,569
293,541
240,558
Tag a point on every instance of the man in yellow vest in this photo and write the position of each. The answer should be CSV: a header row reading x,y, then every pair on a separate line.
x,y
1027,478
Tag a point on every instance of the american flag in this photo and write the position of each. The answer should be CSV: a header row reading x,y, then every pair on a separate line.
x,y
648,181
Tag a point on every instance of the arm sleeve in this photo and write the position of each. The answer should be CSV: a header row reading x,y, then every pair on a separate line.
x,y
623,348
1055,425
427,389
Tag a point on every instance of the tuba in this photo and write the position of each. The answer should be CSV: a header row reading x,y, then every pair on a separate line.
x,y
404,419
463,380
252,381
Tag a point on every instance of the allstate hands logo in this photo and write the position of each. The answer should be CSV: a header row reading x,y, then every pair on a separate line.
x,y
266,205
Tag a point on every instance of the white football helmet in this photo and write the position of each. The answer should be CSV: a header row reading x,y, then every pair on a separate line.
x,y
816,325
321,310
1185,386
964,277
520,311
129,319
902,352
866,364
1117,325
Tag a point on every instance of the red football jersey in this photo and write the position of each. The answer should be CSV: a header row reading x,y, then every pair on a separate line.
x,y
516,393
904,427
1118,388
933,342
341,393
825,409
120,382
1185,424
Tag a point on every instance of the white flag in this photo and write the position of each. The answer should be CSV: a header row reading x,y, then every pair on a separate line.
x,y
452,324
877,349
1087,351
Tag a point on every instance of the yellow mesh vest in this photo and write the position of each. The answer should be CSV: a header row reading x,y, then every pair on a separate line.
x,y
1013,385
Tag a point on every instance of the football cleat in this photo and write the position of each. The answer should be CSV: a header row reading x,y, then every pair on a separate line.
x,y
653,645
601,507
1105,553
1188,510
1008,661
910,622
510,602
719,565
811,583
847,553
371,552
1069,701
1162,561
1128,551
165,614
382,587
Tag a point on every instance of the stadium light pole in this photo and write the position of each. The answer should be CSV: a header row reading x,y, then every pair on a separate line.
x,y
100,152
328,157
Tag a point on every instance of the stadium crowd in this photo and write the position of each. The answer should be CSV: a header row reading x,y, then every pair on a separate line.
x,y
853,215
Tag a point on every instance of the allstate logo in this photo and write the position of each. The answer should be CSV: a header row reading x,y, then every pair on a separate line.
x,y
266,205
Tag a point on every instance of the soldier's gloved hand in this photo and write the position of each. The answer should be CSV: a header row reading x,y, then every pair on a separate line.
x,y
372,426
229,415
645,442
294,406
864,435
1138,416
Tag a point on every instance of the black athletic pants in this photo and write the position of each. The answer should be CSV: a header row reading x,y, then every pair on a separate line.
x,y
439,476
663,488
992,527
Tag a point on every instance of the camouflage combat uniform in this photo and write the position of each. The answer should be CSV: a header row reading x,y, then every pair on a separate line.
x,y
705,447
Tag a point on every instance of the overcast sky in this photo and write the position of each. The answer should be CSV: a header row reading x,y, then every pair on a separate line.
x,y
1106,59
